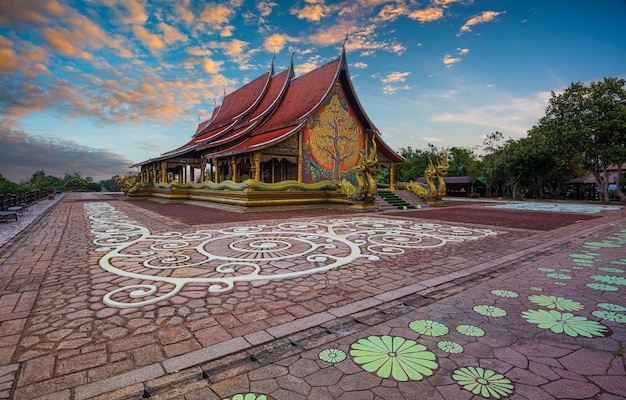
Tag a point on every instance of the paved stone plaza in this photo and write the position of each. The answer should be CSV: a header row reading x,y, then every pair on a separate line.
x,y
109,299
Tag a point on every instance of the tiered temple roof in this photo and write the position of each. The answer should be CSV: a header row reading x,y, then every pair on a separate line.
x,y
269,110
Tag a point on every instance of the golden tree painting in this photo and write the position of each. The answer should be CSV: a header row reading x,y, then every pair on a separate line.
x,y
335,138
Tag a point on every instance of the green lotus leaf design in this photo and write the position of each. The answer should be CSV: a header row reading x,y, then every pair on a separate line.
x,y
610,316
544,269
599,245
559,283
609,269
393,356
247,396
609,279
559,303
470,330
450,347
491,311
603,287
505,293
332,355
565,270
588,256
536,289
621,261
559,276
611,307
483,382
564,323
427,327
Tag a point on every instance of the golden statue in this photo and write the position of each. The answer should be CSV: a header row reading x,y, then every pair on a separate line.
x,y
365,172
128,184
435,187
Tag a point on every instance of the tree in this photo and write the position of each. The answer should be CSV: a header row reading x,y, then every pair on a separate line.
x,y
8,187
40,180
336,138
591,121
416,163
460,158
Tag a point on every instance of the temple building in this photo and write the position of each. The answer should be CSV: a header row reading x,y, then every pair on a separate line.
x,y
278,133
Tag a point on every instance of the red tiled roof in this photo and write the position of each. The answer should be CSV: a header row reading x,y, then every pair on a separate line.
x,y
256,142
237,104
302,97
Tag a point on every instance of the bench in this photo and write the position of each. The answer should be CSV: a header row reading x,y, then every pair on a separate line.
x,y
5,215
16,209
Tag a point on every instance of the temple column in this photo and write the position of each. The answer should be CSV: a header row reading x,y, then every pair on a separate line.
x,y
202,167
392,173
163,171
257,166
192,171
300,157
233,169
216,168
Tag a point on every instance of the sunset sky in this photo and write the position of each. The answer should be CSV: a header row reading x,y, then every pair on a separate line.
x,y
93,86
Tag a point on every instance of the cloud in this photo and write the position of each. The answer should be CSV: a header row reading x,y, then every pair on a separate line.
x,y
276,42
312,12
391,12
512,116
12,13
359,65
427,15
390,81
183,11
56,156
449,60
151,40
431,139
212,67
171,34
10,63
216,15
64,41
486,16
395,77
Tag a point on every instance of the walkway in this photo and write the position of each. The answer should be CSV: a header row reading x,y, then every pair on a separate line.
x,y
113,300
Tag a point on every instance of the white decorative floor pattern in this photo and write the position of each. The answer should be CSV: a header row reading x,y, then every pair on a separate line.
x,y
155,267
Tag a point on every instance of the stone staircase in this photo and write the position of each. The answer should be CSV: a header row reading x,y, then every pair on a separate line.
x,y
399,199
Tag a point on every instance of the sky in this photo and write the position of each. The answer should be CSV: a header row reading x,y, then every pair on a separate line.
x,y
94,86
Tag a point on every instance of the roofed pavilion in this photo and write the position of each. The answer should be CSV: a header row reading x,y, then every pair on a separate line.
x,y
278,131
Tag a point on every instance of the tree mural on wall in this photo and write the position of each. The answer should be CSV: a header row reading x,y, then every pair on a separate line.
x,y
335,137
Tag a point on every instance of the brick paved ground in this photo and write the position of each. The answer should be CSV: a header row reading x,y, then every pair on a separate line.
x,y
59,340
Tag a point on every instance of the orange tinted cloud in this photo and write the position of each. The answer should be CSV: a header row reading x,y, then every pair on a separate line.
x,y
10,63
486,16
312,12
427,15
276,42
215,15
13,12
152,41
63,41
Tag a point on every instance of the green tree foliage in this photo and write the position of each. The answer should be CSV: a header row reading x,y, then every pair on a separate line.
x,y
416,163
7,186
590,122
40,180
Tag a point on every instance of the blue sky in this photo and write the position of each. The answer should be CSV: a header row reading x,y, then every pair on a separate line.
x,y
93,86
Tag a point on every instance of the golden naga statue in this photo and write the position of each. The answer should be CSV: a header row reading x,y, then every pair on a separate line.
x,y
435,187
128,184
365,172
